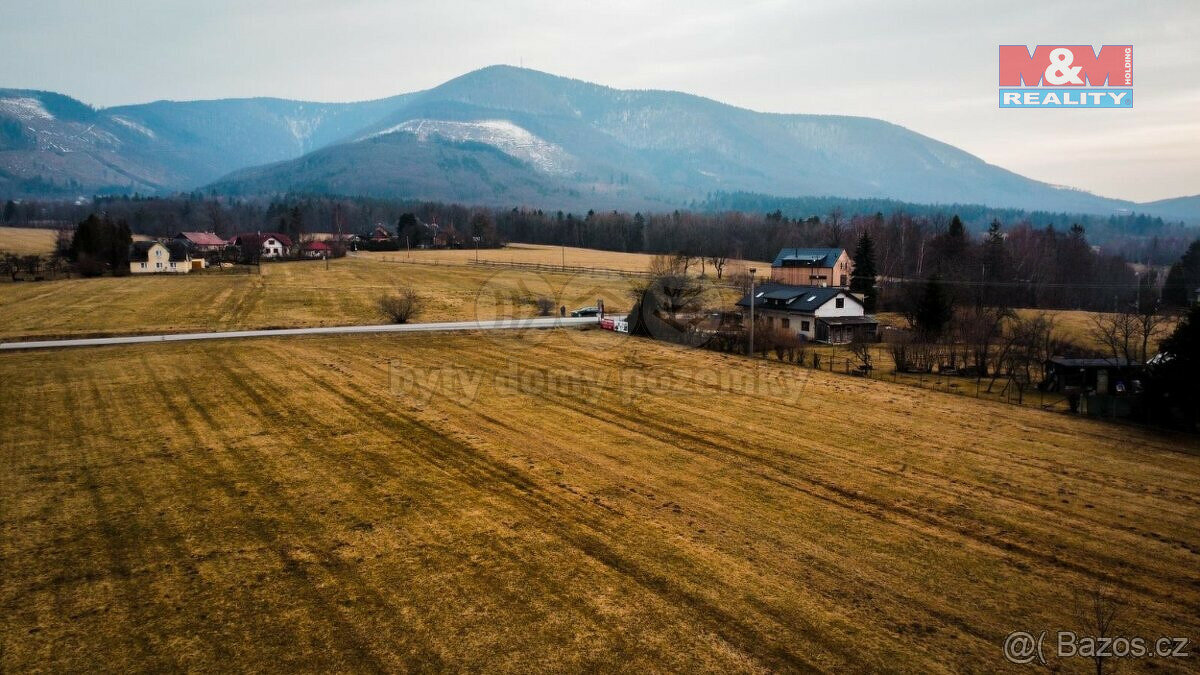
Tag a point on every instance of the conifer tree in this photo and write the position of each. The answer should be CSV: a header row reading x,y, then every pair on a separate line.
x,y
862,280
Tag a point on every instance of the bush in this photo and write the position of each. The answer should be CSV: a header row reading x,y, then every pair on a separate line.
x,y
544,306
402,306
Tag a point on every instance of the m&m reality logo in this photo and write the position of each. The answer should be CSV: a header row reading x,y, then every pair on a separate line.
x,y
1066,76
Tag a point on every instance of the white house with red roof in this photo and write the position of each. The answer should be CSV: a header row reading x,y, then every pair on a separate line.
x,y
316,250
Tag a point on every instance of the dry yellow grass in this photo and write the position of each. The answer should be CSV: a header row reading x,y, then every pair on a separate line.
x,y
27,240
1078,326
554,255
1070,324
273,505
291,294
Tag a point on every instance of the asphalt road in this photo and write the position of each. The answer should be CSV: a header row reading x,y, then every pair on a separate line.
x,y
500,324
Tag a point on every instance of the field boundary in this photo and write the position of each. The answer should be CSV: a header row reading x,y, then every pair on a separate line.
x,y
576,269
540,267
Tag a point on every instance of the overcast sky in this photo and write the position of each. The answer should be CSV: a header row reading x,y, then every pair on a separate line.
x,y
929,66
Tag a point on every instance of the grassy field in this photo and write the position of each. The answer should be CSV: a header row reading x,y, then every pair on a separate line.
x,y
34,240
557,501
555,255
299,294
27,240
1073,325
290,294
1078,326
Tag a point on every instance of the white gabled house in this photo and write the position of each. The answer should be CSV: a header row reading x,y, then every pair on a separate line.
x,y
820,314
264,244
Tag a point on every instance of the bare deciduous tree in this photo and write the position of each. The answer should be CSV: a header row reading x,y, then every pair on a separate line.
x,y
683,261
1025,347
1129,333
861,350
670,287
718,262
1099,613
980,328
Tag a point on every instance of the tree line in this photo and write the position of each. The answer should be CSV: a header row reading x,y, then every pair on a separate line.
x,y
1015,262
1138,237
1020,265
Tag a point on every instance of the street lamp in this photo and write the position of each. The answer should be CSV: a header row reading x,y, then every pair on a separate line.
x,y
752,271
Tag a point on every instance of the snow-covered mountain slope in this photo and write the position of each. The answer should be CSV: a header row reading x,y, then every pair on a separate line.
x,y
672,148
511,132
501,134
51,144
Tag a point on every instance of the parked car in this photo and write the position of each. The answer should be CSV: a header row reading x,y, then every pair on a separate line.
x,y
586,311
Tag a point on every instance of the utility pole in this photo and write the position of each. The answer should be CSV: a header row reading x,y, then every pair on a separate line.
x,y
337,222
752,271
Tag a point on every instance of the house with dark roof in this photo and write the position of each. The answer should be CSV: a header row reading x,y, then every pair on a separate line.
x,y
269,244
381,233
830,315
153,257
812,267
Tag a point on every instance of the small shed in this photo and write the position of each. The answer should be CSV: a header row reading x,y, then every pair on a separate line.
x,y
843,329
1115,377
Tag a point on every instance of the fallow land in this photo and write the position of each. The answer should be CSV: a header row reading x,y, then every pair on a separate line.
x,y
289,295
558,500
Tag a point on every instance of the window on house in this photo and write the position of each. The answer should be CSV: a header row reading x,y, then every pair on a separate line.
x,y
158,266
786,323
840,303
143,265
804,325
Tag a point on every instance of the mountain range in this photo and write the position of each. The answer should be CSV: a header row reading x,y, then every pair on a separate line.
x,y
504,136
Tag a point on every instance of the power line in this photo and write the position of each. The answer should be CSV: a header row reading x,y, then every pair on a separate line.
x,y
1015,284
